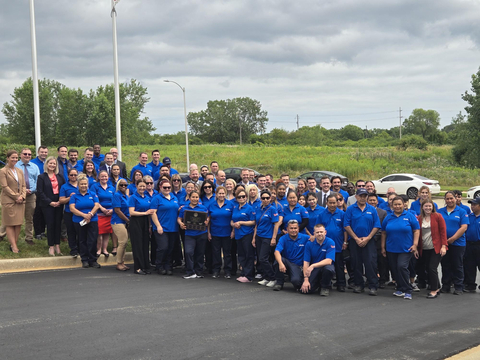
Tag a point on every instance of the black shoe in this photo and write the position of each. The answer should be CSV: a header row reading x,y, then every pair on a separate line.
x,y
169,272
372,292
277,287
216,275
445,290
470,290
381,285
161,272
74,255
140,272
358,289
148,272
458,292
85,264
95,265
341,288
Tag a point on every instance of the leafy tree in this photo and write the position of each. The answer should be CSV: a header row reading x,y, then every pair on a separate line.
x,y
224,120
422,122
352,132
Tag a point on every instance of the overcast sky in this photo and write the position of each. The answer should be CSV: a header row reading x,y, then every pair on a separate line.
x,y
331,62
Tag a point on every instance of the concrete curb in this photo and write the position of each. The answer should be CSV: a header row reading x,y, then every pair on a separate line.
x,y
51,263
470,354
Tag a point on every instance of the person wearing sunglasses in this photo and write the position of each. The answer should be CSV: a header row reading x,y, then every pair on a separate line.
x,y
120,221
151,193
177,188
179,192
360,184
220,233
165,227
265,237
243,222
207,197
66,191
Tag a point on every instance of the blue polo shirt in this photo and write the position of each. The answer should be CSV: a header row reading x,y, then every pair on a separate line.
x,y
167,211
155,170
146,170
179,194
91,181
132,188
344,194
298,213
473,231
334,224
206,201
454,220
155,193
381,201
280,212
246,213
265,219
385,206
464,207
293,250
308,191
66,191
283,200
105,196
39,164
415,206
312,217
97,160
220,218
114,183
173,171
256,204
314,252
139,203
361,222
81,162
198,207
120,201
399,231
84,204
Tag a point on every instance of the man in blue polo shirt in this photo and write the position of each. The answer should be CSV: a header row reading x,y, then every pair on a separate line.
x,y
337,186
318,260
362,223
458,198
155,164
142,166
472,251
289,255
87,155
97,157
332,221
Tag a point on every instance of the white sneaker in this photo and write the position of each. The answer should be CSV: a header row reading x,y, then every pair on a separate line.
x,y
263,282
272,283
258,276
193,276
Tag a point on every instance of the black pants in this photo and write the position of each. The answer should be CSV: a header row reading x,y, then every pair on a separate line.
x,y
53,217
321,277
71,233
382,264
234,257
340,269
399,264
452,267
220,243
87,238
263,255
195,253
153,247
209,257
294,271
364,257
177,255
140,237
471,264
38,219
246,256
428,263
165,244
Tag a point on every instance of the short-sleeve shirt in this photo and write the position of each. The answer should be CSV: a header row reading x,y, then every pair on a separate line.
x,y
105,196
334,224
146,170
66,190
315,252
297,213
399,231
454,221
220,218
197,207
293,250
246,213
473,231
139,203
84,203
120,200
361,222
265,219
313,216
167,212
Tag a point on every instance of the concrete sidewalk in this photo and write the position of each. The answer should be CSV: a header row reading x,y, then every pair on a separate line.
x,y
51,263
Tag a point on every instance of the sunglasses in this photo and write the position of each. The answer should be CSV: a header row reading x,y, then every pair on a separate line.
x,y
265,197
340,199
25,154
149,183
241,196
207,187
122,185
72,175
166,187
176,180
361,186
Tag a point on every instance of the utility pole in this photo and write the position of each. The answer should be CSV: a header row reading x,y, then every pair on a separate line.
x,y
298,125
240,125
400,119
36,101
366,131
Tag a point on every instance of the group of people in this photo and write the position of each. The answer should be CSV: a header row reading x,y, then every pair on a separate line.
x,y
265,229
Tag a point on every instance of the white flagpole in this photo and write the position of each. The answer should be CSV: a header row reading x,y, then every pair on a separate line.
x,y
36,103
115,75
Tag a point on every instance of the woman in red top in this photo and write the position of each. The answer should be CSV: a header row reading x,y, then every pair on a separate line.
x,y
48,190
432,244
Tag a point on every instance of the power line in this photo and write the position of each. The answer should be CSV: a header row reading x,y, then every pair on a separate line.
x,y
333,122
317,115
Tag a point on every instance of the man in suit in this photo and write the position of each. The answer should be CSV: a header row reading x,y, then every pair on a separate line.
x,y
123,167
323,195
107,164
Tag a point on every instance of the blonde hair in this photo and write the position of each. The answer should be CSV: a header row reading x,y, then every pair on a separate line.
x,y
50,158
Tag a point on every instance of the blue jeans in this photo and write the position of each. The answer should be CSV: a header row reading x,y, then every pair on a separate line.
x,y
165,244
364,257
263,256
246,256
219,243
399,265
195,253
321,277
293,270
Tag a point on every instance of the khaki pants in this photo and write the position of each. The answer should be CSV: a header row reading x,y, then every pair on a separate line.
x,y
122,234
29,211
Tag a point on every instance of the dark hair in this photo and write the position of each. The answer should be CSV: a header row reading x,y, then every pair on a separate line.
x,y
311,194
399,197
405,198
371,182
156,150
42,147
202,188
311,178
11,152
451,192
238,186
457,192
133,175
369,195
324,177
332,195
65,146
265,191
335,177
70,170
111,173
72,150
213,162
359,180
94,172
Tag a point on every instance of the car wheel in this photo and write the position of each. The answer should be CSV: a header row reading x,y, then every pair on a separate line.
x,y
412,193
476,195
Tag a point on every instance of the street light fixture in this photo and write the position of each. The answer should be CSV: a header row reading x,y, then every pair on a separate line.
x,y
185,114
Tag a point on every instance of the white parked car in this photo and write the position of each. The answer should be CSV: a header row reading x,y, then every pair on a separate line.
x,y
473,192
408,184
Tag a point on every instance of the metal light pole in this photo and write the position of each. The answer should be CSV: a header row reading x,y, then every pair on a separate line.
x,y
185,114
36,102
115,75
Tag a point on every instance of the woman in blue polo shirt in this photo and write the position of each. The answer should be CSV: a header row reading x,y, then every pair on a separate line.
x,y
139,208
84,206
207,193
400,234
165,227
177,189
120,221
243,222
66,191
313,211
104,190
253,196
179,192
151,193
89,170
195,240
220,233
281,190
294,211
265,237
185,198
137,175
423,194
115,175
457,222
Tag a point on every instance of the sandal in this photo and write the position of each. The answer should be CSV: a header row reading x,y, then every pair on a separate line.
x,y
114,253
105,254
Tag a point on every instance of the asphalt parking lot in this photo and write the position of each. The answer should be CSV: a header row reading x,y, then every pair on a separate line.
x,y
107,314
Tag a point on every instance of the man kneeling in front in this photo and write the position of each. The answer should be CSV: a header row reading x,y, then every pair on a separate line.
x,y
289,256
318,261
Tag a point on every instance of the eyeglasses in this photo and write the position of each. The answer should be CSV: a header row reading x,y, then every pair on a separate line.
x,y
360,186
149,183
26,154
122,185
166,187
207,187
72,174
265,197
241,196
340,199
176,180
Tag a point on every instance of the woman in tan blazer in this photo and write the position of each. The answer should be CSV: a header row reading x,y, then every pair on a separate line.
x,y
12,199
